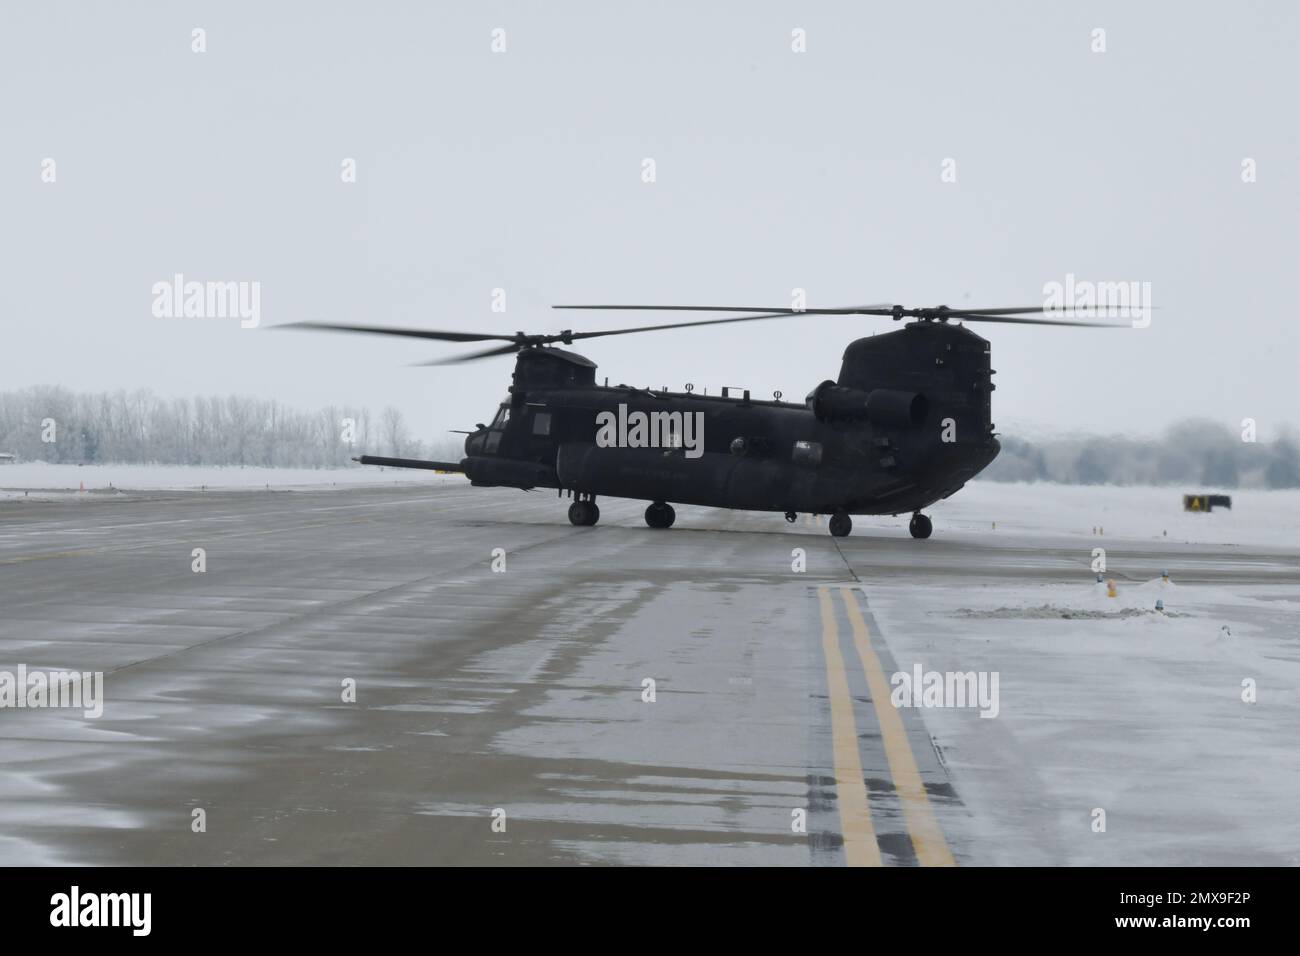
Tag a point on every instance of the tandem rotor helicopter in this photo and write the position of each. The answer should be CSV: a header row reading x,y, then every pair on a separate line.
x,y
907,422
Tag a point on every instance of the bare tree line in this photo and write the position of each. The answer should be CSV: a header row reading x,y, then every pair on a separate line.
x,y
54,424
1200,453
141,427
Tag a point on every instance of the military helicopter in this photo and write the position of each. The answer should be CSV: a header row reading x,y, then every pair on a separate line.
x,y
906,424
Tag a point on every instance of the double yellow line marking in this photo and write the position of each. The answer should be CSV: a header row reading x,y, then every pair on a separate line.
x,y
860,844
860,847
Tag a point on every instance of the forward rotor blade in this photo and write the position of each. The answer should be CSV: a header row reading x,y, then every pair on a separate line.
x,y
403,332
1041,309
980,317
472,356
682,325
1019,310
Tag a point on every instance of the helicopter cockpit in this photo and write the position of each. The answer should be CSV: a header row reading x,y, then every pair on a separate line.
x,y
492,443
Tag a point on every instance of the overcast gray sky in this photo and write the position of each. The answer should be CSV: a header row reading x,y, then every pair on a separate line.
x,y
774,170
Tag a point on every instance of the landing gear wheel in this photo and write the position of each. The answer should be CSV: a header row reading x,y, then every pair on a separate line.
x,y
660,514
841,524
920,526
584,513
791,517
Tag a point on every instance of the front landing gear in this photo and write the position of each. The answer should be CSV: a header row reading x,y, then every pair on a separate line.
x,y
660,514
584,513
841,524
920,526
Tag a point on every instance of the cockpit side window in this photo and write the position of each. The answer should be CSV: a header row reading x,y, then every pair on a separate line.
x,y
503,417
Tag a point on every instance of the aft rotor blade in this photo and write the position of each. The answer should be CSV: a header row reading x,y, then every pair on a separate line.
x,y
886,310
771,311
400,331
882,308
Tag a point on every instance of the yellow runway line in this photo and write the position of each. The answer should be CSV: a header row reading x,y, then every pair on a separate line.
x,y
927,835
860,847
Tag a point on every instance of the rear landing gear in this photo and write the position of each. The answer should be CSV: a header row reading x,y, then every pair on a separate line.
x,y
920,526
584,513
660,514
841,524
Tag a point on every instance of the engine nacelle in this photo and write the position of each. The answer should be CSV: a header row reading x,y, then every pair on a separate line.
x,y
889,407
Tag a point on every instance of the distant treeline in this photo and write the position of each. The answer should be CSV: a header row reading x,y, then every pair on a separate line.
x,y
45,423
140,427
1198,452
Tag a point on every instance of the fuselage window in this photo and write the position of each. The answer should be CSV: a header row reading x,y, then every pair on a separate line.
x,y
542,423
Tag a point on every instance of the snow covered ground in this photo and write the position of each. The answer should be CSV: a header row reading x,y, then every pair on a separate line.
x,y
1180,727
1037,510
42,477
1257,517
1143,717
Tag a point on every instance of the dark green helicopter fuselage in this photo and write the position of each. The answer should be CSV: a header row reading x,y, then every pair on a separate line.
x,y
906,423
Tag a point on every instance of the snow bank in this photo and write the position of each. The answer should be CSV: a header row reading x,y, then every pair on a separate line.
x,y
47,477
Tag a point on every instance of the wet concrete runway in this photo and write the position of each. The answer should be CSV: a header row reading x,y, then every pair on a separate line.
x,y
615,695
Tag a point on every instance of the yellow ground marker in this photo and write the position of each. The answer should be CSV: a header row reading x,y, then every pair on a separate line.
x,y
860,847
927,835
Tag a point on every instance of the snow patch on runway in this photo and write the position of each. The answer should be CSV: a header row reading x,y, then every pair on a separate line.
x,y
1117,707
1105,513
1047,611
